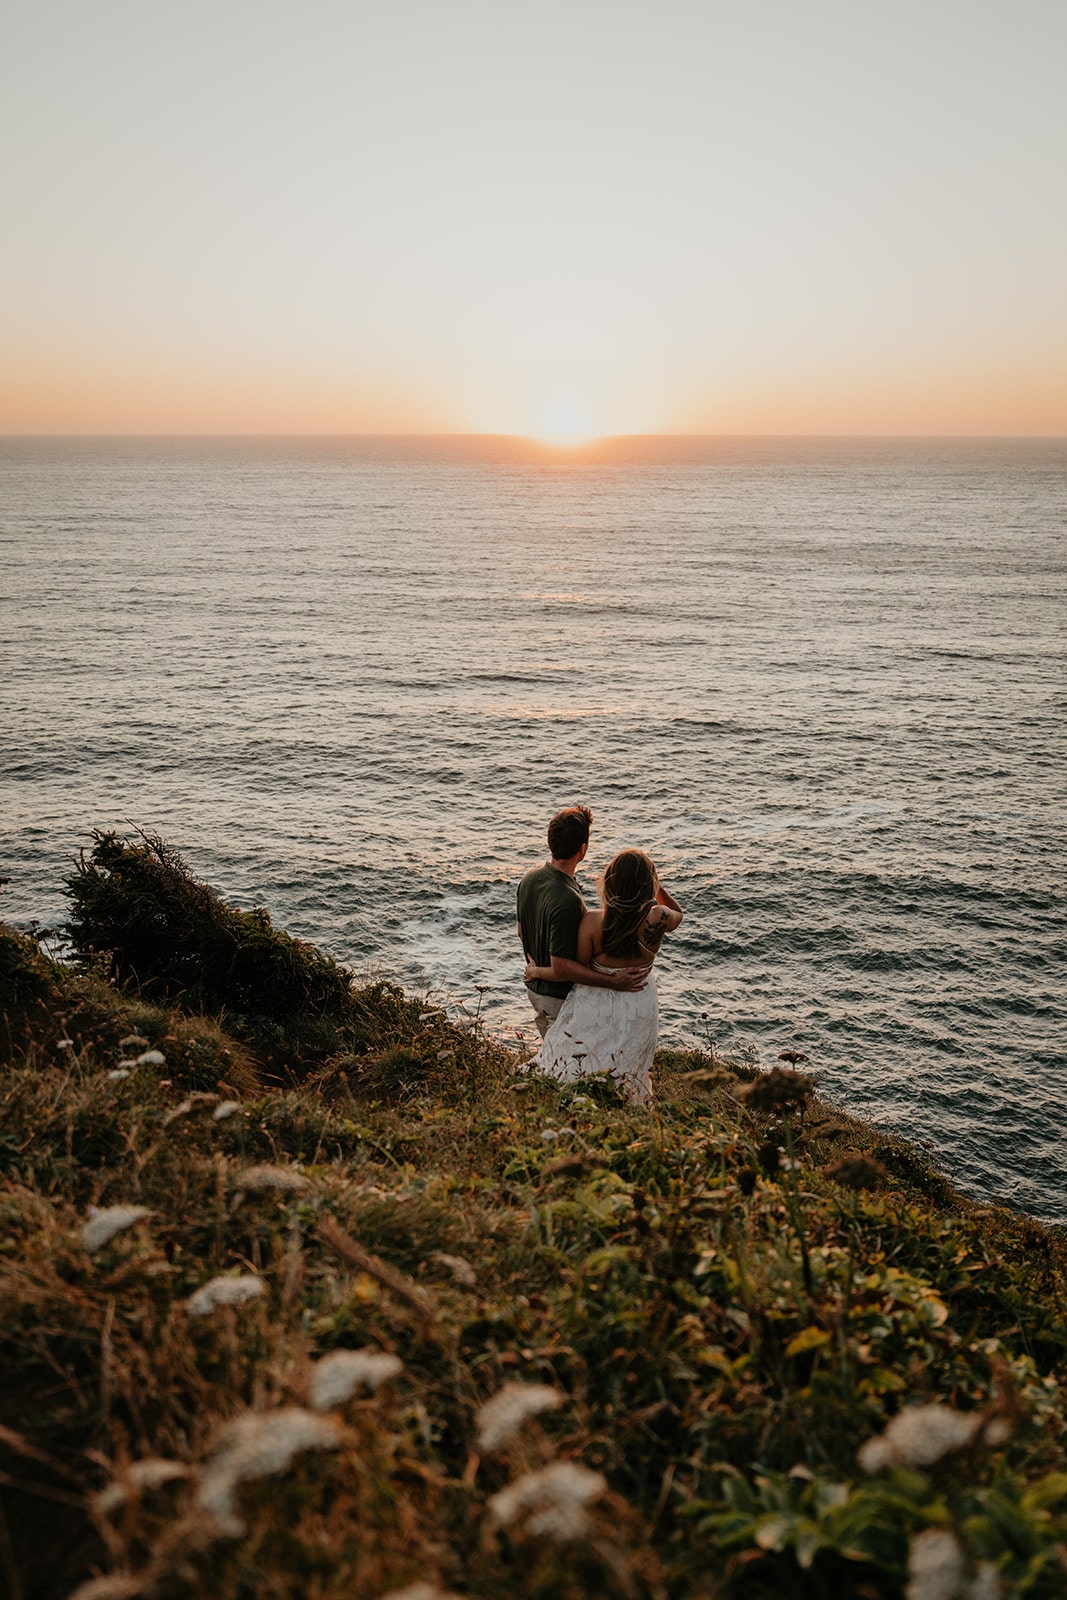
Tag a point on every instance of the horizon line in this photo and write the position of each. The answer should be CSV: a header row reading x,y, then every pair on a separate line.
x,y
555,442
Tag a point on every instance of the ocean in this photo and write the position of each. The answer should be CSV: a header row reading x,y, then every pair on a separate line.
x,y
820,681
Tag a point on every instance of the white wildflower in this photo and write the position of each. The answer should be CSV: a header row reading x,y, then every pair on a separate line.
x,y
129,1063
225,1291
151,1058
551,1502
133,1041
985,1585
337,1376
225,1110
116,1586
259,1445
458,1266
549,1135
420,1591
198,1101
64,1044
500,1418
997,1431
581,1100
118,1074
104,1225
935,1566
257,1180
918,1436
138,1477
564,1130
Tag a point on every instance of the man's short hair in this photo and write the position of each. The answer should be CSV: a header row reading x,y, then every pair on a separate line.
x,y
568,831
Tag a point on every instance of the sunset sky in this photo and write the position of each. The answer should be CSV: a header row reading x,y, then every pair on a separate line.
x,y
561,219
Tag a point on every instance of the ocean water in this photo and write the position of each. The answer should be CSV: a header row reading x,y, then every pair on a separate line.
x,y
822,682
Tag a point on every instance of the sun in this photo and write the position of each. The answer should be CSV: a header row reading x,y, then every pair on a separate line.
x,y
565,421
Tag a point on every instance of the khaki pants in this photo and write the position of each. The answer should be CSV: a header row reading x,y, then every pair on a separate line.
x,y
546,1009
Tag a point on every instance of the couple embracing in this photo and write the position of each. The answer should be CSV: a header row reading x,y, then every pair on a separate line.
x,y
589,973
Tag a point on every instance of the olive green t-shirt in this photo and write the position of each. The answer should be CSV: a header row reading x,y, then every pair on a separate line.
x,y
550,908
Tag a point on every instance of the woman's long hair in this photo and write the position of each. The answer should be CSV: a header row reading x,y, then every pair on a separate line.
x,y
628,893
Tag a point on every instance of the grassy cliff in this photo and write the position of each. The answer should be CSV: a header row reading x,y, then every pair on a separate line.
x,y
306,1291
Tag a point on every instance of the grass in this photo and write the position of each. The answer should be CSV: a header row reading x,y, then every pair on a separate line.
x,y
724,1331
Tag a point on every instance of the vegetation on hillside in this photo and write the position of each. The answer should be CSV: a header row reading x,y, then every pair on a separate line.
x,y
308,1291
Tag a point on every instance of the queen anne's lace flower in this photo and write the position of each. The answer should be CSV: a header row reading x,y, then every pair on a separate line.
x,y
337,1376
257,1180
259,1445
500,1418
935,1566
420,1591
118,1074
225,1292
151,1058
138,1478
458,1266
225,1110
104,1225
116,1586
133,1041
918,1436
551,1502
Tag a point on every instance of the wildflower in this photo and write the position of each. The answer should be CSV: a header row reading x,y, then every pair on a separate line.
x,y
116,1586
792,1056
259,1445
104,1225
581,1100
152,1058
564,1130
133,1041
549,1135
500,1418
225,1291
138,1477
420,1591
985,1585
128,1063
190,1104
856,1172
336,1377
118,1074
935,1566
227,1109
918,1436
256,1180
779,1090
64,1044
786,1164
458,1266
551,1502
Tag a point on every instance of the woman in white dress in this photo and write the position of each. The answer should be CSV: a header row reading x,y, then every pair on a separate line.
x,y
608,1030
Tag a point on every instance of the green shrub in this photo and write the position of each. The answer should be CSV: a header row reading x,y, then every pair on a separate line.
x,y
155,928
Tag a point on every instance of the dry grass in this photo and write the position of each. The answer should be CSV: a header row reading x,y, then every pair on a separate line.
x,y
726,1331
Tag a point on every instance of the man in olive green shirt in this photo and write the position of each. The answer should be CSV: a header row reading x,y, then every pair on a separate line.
x,y
550,910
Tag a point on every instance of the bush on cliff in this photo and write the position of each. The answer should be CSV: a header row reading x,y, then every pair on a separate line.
x,y
140,914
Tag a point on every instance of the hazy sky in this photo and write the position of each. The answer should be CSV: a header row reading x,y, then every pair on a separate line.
x,y
755,216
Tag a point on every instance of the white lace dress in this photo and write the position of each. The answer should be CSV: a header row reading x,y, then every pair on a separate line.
x,y
608,1031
